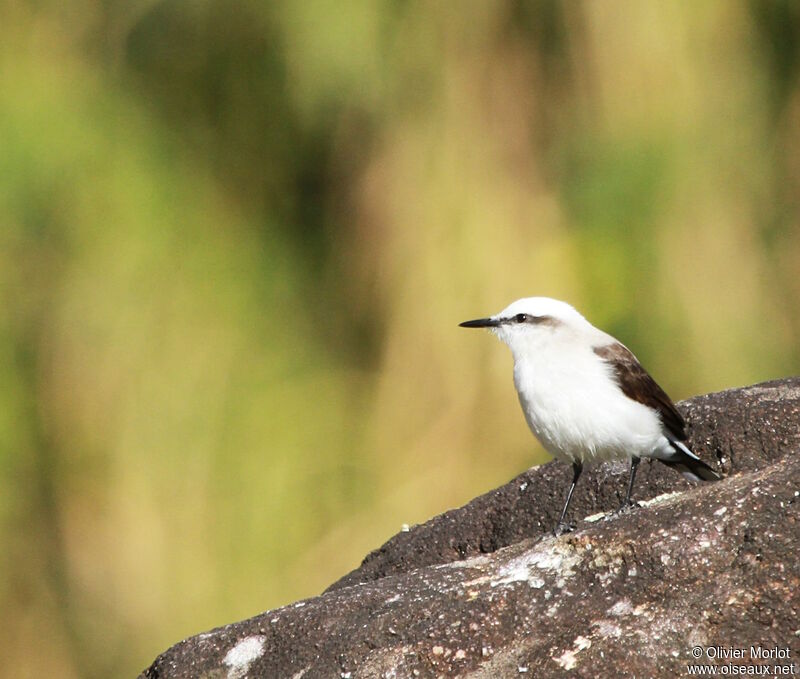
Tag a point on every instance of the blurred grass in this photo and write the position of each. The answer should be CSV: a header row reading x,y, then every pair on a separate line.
x,y
237,238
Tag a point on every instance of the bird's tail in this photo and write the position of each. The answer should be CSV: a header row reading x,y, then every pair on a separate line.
x,y
688,464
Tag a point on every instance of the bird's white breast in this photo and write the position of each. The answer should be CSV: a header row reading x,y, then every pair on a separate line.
x,y
574,406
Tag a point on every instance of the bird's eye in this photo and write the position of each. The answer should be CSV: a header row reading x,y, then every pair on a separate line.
x,y
521,318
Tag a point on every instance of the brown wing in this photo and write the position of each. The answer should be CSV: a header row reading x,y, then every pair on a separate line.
x,y
637,384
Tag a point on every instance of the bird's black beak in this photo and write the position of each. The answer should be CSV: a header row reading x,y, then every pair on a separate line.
x,y
481,323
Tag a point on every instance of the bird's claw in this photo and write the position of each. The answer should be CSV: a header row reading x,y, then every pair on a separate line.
x,y
563,527
626,507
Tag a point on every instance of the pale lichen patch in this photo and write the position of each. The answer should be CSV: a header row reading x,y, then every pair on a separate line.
x,y
244,654
569,658
664,497
529,567
622,607
582,643
607,628
596,517
658,499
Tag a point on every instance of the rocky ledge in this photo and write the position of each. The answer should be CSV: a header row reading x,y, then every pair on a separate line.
x,y
707,574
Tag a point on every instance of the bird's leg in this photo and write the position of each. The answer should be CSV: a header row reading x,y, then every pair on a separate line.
x,y
562,526
627,503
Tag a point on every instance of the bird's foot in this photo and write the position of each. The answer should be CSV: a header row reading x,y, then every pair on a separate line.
x,y
563,527
626,507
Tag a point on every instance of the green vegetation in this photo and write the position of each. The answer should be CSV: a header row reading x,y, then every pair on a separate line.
x,y
236,239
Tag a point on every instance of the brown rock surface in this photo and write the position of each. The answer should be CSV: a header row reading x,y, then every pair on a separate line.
x,y
486,591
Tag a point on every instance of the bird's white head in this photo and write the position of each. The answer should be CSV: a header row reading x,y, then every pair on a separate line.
x,y
534,322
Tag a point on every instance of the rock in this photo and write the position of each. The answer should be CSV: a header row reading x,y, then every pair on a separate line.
x,y
486,591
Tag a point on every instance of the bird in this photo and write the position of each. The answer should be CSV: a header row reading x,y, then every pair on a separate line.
x,y
586,397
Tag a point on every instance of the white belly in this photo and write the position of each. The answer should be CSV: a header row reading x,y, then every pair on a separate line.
x,y
579,414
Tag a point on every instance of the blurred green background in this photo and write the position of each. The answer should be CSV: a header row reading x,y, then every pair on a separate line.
x,y
236,239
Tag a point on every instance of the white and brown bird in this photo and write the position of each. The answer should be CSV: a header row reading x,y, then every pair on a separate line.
x,y
585,395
